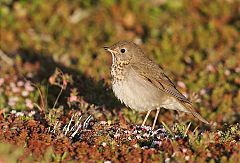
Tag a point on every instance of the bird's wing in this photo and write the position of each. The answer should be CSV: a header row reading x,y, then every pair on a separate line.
x,y
159,79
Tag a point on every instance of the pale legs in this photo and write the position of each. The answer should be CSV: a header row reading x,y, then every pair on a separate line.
x,y
145,119
156,117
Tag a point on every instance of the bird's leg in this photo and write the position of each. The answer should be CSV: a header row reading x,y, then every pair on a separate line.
x,y
145,119
155,119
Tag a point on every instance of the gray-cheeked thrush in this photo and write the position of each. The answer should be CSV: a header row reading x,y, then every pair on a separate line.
x,y
142,85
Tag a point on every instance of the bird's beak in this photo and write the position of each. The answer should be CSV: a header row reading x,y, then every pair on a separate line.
x,y
108,49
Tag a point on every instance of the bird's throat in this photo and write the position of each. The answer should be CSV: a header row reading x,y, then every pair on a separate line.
x,y
118,70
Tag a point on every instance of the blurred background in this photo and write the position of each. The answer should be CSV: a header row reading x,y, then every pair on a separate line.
x,y
197,42
53,69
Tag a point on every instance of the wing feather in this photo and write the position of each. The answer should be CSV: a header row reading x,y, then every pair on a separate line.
x,y
160,80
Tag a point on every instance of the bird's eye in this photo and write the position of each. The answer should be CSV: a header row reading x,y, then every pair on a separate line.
x,y
122,50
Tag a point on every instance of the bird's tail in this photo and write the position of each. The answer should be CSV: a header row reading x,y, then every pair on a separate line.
x,y
194,113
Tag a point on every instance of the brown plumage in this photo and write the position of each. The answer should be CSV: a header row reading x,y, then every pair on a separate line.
x,y
160,80
142,85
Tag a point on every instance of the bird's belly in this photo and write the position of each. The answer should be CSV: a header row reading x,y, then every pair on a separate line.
x,y
141,95
138,94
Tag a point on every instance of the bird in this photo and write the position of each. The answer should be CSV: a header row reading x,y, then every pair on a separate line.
x,y
142,85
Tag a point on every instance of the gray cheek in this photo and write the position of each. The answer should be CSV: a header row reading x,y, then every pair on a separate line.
x,y
125,56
